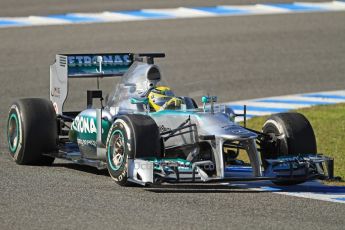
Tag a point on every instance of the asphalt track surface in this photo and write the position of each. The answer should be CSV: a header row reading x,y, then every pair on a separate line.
x,y
235,57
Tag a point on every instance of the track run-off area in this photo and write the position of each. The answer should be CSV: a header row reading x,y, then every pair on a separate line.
x,y
245,52
173,13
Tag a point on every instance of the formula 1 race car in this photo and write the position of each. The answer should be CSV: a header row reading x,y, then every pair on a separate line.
x,y
144,134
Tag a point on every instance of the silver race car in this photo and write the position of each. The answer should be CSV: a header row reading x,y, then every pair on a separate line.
x,y
144,134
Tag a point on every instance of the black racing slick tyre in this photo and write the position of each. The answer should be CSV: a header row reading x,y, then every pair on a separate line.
x,y
295,133
130,136
296,137
32,131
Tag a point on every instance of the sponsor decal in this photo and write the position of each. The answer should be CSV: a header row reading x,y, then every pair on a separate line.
x,y
235,129
87,142
91,60
84,125
122,175
55,92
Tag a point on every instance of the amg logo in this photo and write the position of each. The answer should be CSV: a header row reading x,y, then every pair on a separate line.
x,y
90,60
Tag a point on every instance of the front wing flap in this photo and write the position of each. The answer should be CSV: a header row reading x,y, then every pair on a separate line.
x,y
296,168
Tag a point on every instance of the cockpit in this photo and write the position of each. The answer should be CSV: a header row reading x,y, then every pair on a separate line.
x,y
140,90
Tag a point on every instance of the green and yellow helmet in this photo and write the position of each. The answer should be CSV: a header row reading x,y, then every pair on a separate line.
x,y
161,97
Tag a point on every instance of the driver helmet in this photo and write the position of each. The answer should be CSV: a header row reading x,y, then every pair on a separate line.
x,y
161,97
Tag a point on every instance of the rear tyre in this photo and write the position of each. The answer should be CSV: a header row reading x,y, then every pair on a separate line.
x,y
32,131
131,136
296,137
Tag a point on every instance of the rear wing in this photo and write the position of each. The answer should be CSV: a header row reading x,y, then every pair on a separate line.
x,y
68,66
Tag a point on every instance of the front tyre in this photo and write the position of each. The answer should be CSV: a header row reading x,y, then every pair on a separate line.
x,y
131,136
296,136
295,133
117,152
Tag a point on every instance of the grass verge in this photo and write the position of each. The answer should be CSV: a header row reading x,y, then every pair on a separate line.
x,y
328,122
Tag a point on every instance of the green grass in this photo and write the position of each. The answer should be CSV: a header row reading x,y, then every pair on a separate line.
x,y
328,122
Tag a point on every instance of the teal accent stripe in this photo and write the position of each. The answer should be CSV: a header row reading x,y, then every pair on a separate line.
x,y
113,167
13,148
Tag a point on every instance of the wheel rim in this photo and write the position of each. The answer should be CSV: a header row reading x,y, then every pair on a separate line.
x,y
116,150
13,132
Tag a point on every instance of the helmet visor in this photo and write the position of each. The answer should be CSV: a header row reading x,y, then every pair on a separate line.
x,y
168,93
161,100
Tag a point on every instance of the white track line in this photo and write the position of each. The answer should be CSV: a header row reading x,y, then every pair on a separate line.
x,y
285,103
173,13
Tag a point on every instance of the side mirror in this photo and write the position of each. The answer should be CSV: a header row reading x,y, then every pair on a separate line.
x,y
205,99
139,101
208,99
